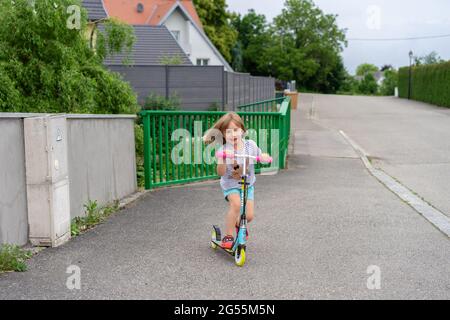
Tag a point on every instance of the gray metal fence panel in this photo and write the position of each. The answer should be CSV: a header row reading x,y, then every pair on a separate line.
x,y
198,87
144,79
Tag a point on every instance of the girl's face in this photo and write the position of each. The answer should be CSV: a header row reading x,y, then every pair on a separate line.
x,y
233,134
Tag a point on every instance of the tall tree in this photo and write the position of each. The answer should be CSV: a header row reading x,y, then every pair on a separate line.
x,y
216,22
366,68
431,58
305,46
253,37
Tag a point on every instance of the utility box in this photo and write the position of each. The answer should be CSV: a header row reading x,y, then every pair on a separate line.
x,y
47,179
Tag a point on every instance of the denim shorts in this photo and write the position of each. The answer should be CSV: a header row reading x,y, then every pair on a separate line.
x,y
250,194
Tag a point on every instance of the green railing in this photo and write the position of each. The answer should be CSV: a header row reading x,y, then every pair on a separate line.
x,y
272,105
271,130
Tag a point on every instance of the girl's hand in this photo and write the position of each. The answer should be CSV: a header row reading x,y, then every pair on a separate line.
x,y
228,155
265,158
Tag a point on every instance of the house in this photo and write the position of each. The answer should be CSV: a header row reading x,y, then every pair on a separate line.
x,y
96,10
154,45
378,76
180,17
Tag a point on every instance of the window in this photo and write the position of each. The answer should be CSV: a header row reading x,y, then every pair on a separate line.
x,y
202,62
176,34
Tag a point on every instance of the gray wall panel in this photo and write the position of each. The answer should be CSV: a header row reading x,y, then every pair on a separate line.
x,y
198,87
102,164
13,199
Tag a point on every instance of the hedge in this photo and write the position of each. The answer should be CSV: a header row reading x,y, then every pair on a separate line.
x,y
429,83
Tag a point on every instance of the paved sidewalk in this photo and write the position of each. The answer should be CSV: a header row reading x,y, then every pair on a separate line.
x,y
319,226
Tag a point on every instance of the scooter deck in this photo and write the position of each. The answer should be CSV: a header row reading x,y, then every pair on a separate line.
x,y
219,244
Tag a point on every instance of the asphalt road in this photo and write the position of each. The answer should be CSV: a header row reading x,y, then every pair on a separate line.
x,y
407,139
319,226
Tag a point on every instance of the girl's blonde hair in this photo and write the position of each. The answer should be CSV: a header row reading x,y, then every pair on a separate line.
x,y
222,125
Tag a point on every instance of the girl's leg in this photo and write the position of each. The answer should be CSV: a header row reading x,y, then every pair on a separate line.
x,y
250,212
233,213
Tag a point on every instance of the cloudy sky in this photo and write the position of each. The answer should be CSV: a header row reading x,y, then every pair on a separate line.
x,y
375,19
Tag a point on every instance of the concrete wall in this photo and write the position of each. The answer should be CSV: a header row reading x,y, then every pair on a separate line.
x,y
101,159
13,200
102,163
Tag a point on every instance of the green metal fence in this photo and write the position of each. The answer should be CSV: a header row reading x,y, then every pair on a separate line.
x,y
270,129
272,105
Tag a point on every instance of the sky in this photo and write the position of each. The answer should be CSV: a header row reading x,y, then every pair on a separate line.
x,y
375,19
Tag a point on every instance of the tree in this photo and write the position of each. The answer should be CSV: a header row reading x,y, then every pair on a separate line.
x,y
216,22
368,85
305,46
48,66
431,58
366,68
253,37
390,82
386,67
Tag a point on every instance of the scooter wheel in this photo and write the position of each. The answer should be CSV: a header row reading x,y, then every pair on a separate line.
x,y
213,238
239,257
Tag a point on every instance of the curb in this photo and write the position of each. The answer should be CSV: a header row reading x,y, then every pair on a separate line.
x,y
434,216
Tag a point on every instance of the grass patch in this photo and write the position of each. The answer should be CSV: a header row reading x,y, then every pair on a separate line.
x,y
12,258
94,215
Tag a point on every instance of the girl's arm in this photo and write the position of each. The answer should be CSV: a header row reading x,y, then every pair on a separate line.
x,y
222,165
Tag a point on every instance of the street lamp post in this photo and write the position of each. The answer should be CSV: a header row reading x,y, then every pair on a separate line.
x,y
410,74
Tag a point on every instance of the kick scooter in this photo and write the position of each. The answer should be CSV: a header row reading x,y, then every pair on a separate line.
x,y
240,244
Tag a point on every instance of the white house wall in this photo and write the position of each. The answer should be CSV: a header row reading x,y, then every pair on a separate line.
x,y
191,40
177,22
201,49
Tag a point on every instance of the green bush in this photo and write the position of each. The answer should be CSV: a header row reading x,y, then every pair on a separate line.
x,y
94,215
47,67
368,85
139,141
429,83
12,258
158,102
390,82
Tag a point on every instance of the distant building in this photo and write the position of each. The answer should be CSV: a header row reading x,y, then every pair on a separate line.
x,y
179,17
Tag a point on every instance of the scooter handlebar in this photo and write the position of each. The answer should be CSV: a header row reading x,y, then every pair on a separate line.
x,y
269,160
224,155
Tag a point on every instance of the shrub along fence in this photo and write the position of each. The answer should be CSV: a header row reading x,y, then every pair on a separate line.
x,y
429,83
270,128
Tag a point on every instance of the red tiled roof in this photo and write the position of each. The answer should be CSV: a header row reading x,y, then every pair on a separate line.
x,y
154,10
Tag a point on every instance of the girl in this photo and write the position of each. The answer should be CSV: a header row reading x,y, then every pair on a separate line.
x,y
229,131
